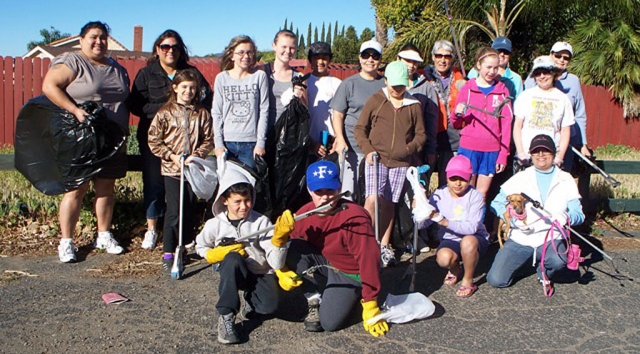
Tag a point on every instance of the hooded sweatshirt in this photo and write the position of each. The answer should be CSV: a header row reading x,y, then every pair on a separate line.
x,y
481,131
395,133
262,256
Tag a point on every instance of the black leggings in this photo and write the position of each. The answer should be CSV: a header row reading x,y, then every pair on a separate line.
x,y
172,216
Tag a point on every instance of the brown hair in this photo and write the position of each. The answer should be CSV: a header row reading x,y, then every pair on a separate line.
x,y
483,53
182,76
183,58
226,63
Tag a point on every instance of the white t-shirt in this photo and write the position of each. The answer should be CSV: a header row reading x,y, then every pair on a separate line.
x,y
544,112
320,91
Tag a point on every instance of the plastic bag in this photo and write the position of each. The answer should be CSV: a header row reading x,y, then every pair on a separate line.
x,y
202,176
56,152
287,154
404,308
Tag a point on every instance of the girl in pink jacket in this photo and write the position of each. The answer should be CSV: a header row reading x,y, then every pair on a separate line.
x,y
485,134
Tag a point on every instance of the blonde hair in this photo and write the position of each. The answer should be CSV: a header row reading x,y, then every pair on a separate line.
x,y
226,63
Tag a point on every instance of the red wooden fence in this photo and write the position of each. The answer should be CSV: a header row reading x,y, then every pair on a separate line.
x,y
22,80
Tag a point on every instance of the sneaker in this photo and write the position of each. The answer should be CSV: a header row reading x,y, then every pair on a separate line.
x,y
167,264
150,238
547,287
387,256
190,245
312,321
67,252
246,310
226,331
105,241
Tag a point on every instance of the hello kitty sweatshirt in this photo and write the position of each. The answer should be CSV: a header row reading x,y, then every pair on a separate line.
x,y
240,109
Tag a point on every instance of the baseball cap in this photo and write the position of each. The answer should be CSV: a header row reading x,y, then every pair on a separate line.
x,y
410,55
460,166
371,44
542,141
319,48
560,46
501,43
543,62
397,74
323,175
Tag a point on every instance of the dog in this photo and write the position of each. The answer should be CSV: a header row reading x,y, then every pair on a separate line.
x,y
515,208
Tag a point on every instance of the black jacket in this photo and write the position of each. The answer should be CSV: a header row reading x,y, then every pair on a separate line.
x,y
150,92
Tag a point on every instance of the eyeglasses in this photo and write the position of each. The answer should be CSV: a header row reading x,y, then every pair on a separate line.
x,y
504,52
242,53
541,153
440,56
166,47
565,57
367,55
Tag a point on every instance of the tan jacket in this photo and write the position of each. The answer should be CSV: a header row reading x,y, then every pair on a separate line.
x,y
395,134
167,135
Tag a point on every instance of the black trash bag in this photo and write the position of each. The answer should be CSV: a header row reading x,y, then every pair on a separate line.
x,y
262,203
287,155
56,152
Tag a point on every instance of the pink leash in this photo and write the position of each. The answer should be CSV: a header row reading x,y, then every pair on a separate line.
x,y
547,288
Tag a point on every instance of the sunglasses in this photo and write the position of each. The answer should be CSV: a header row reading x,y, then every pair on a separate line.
x,y
166,47
374,55
539,72
440,56
565,57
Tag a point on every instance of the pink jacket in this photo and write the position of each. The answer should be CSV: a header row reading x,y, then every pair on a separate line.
x,y
481,131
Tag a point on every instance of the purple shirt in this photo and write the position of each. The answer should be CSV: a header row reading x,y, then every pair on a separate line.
x,y
465,214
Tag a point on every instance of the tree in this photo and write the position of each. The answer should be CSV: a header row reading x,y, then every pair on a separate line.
x,y
48,36
323,36
285,23
309,35
345,48
302,48
335,30
315,34
606,43
328,39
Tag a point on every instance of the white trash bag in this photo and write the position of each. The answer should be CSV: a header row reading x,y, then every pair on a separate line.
x,y
404,308
202,176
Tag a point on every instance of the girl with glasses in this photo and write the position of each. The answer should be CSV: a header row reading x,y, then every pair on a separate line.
x,y
150,92
542,109
240,103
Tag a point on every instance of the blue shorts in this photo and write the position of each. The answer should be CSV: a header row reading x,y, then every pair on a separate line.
x,y
454,245
483,162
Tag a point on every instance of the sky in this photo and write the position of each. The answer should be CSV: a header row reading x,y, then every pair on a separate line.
x,y
205,26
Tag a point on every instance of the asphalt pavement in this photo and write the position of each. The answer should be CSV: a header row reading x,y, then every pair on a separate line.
x,y
61,311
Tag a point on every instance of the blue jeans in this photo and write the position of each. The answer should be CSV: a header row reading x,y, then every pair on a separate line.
x,y
514,256
242,151
152,181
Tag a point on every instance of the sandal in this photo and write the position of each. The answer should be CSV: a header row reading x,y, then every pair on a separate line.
x,y
451,279
472,289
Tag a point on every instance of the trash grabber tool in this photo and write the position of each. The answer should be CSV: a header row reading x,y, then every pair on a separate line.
x,y
178,267
537,205
612,181
496,111
376,209
455,38
342,158
325,208
413,176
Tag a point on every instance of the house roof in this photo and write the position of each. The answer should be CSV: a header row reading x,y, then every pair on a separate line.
x,y
67,40
52,52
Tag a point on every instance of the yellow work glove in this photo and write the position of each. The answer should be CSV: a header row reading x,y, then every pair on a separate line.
x,y
370,309
217,254
288,279
284,226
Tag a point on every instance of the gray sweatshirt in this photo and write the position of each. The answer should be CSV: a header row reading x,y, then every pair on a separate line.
x,y
240,109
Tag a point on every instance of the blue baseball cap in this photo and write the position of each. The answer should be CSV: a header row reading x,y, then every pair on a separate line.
x,y
323,175
501,43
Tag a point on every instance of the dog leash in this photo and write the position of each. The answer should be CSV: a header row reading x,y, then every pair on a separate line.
x,y
547,288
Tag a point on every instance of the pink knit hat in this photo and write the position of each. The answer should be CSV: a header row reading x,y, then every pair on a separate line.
x,y
459,166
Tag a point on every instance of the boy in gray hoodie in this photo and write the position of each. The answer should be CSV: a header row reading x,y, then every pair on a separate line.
x,y
247,265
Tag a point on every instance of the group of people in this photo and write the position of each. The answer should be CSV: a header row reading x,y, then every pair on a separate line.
x,y
379,122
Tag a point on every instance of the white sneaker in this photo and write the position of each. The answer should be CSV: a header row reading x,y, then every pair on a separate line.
x,y
105,241
190,245
150,238
67,252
